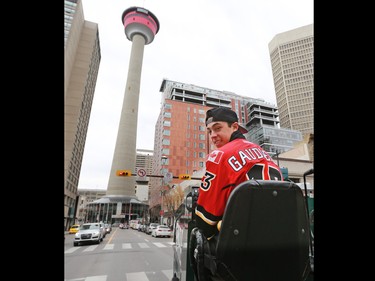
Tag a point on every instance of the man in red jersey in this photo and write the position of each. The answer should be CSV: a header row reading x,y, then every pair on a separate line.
x,y
234,161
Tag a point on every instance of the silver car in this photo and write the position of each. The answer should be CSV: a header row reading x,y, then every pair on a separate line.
x,y
162,231
150,227
89,233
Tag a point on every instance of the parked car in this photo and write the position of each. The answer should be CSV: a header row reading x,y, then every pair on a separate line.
x,y
74,229
150,227
142,228
162,231
124,226
108,227
89,233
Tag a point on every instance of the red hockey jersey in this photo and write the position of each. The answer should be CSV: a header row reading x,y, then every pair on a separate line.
x,y
237,161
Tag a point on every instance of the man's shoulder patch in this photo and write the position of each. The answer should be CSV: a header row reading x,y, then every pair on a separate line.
x,y
215,156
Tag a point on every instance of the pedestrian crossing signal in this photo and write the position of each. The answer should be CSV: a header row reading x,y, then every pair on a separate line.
x,y
123,173
184,177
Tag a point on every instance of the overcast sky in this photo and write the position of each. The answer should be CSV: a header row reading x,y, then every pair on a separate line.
x,y
218,44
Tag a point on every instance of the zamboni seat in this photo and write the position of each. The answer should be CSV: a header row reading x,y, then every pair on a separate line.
x,y
264,235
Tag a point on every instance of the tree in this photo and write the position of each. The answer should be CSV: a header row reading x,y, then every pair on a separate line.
x,y
173,199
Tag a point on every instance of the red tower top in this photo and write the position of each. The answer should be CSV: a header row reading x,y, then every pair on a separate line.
x,y
138,20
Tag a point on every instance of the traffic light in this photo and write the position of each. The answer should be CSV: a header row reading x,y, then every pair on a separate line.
x,y
184,177
123,173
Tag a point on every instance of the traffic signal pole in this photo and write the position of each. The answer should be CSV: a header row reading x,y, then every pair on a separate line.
x,y
161,176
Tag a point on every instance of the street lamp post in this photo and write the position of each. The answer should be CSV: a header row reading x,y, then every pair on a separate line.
x,y
277,156
164,159
161,206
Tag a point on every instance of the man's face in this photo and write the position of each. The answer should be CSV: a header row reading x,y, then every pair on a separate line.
x,y
220,132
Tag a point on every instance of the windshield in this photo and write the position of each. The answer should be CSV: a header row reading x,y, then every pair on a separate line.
x,y
89,226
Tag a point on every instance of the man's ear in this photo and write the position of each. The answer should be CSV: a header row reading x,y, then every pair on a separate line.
x,y
236,126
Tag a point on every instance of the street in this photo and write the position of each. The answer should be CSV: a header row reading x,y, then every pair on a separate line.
x,y
124,255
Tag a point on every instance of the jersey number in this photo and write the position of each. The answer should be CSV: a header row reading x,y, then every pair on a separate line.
x,y
206,182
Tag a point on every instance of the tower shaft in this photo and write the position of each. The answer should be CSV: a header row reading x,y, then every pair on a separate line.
x,y
140,27
125,149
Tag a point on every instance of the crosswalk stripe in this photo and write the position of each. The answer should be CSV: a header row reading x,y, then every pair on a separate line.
x,y
134,276
109,247
96,278
160,245
90,248
137,276
143,245
168,273
71,250
113,246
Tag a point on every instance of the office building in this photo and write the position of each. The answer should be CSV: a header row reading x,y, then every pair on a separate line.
x,y
143,166
292,61
264,130
82,59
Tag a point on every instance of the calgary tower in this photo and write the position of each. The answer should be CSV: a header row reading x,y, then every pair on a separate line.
x,y
140,27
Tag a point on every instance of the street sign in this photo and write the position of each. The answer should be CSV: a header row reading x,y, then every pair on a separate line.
x,y
141,175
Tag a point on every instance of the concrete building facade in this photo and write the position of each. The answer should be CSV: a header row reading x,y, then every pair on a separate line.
x,y
292,61
82,58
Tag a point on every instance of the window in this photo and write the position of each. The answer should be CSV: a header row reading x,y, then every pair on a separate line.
x,y
166,141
